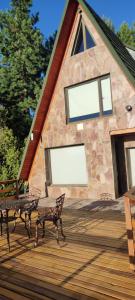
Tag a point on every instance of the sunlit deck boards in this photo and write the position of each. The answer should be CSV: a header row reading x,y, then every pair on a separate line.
x,y
91,264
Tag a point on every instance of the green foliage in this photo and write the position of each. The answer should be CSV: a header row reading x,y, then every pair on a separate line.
x,y
3,116
109,23
24,57
23,63
9,155
127,34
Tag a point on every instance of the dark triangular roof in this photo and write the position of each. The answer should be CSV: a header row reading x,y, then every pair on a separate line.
x,y
118,50
115,42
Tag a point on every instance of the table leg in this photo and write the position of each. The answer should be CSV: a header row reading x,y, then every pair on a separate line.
x,y
7,230
24,221
14,222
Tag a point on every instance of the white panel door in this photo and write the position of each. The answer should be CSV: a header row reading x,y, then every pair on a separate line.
x,y
68,165
83,99
106,94
131,156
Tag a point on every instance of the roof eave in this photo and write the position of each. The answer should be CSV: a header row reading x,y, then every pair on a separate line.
x,y
68,2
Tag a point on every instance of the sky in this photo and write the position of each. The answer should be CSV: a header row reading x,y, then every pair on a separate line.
x,y
50,12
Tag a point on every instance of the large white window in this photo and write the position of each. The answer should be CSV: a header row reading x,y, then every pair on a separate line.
x,y
68,165
79,100
89,99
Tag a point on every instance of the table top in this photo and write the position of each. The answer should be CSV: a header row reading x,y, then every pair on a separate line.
x,y
47,202
19,203
12,204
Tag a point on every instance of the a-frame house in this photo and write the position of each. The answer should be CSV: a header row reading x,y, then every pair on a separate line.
x,y
82,140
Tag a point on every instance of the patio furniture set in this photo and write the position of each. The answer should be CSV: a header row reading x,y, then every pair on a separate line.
x,y
16,207
12,207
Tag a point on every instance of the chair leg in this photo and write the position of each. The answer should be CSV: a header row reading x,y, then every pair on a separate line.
x,y
25,221
43,229
57,230
36,235
61,227
29,223
7,230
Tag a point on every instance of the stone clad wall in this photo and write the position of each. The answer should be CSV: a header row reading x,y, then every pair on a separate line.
x,y
96,132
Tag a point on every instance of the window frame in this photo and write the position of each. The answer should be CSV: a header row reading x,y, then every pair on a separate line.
x,y
48,168
101,113
84,28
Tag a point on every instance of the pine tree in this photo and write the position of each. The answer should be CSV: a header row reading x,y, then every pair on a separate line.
x,y
9,154
127,34
24,58
109,23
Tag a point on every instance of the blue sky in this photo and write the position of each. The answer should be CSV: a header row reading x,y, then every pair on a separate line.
x,y
51,12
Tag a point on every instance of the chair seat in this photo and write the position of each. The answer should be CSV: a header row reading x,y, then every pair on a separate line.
x,y
30,207
51,218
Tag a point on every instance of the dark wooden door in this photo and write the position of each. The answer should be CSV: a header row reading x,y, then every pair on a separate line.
x,y
121,172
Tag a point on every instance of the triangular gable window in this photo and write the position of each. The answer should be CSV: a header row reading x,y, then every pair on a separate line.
x,y
89,40
79,44
83,39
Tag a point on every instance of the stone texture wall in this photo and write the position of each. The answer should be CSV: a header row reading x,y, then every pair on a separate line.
x,y
96,132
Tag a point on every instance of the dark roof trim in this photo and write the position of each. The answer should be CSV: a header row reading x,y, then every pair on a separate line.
x,y
130,47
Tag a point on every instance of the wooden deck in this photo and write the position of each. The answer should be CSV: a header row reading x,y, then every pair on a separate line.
x,y
91,264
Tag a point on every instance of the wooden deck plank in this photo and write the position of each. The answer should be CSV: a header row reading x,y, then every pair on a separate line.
x,y
84,277
91,264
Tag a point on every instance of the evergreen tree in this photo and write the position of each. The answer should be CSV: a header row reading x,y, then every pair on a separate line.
x,y
109,23
24,57
9,155
127,34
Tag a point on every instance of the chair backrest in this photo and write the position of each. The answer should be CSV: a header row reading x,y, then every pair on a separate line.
x,y
32,206
59,205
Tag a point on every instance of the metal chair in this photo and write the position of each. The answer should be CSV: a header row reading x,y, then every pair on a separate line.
x,y
52,214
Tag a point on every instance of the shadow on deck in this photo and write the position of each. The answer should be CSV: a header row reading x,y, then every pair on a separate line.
x,y
91,264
